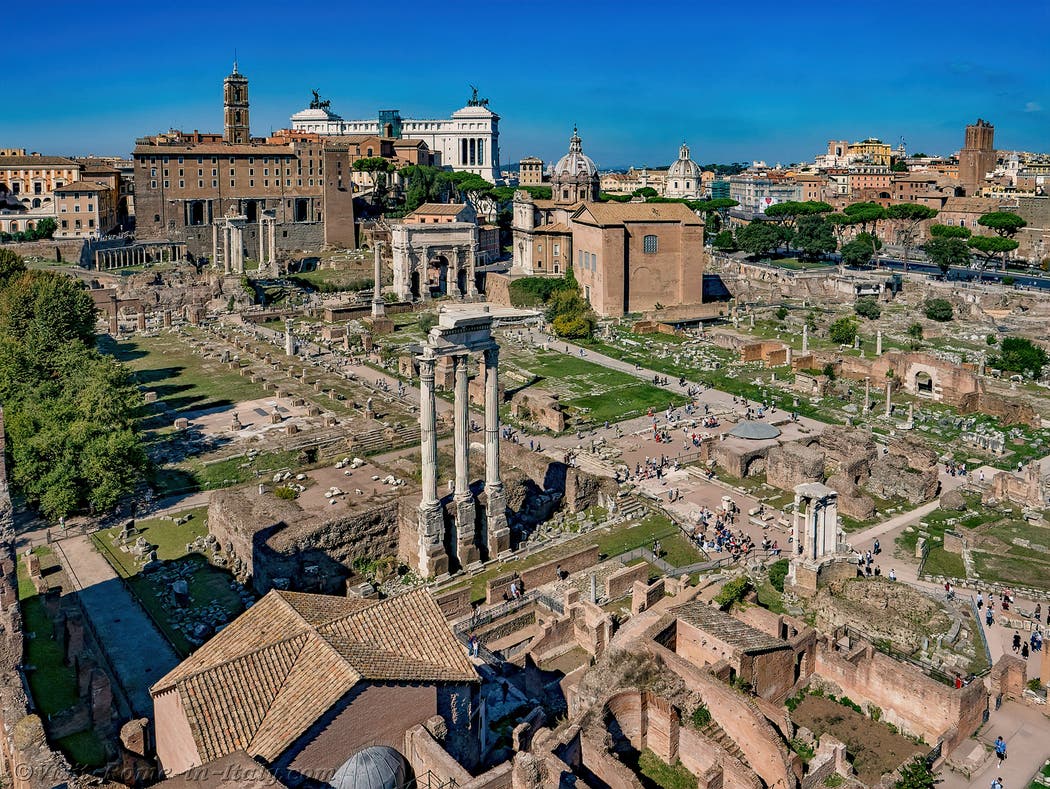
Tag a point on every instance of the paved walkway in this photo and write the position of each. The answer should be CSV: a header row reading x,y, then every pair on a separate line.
x,y
1027,734
138,652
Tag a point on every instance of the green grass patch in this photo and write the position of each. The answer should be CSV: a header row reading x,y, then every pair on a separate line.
x,y
84,749
208,584
665,775
770,598
1014,570
942,562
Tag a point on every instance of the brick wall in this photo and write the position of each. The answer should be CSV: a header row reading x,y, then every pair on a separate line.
x,y
454,603
910,700
541,574
621,583
644,596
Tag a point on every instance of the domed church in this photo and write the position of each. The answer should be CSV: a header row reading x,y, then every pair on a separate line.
x,y
575,176
683,177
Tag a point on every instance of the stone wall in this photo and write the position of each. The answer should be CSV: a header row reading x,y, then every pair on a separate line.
x,y
537,408
621,583
498,588
24,750
291,237
645,596
276,543
793,464
67,250
1007,411
454,603
497,288
915,703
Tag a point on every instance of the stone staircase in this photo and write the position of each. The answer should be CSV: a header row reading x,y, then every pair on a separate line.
x,y
632,507
715,732
377,440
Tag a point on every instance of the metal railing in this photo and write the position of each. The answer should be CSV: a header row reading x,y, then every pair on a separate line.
x,y
883,646
984,638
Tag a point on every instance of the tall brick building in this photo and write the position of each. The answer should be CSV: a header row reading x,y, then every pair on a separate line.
x,y
185,182
977,157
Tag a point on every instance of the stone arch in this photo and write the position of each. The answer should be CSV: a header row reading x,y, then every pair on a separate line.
x,y
923,383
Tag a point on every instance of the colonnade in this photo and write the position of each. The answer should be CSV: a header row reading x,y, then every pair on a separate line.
x,y
432,557
138,255
230,231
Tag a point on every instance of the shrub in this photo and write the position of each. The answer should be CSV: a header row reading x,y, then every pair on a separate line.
x,y
867,308
846,701
991,339
939,310
782,312
733,591
829,371
777,573
426,322
1008,281
843,331
915,331
805,752
286,493
1020,355
701,716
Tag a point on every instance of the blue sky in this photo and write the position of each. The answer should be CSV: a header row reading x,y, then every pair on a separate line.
x,y
738,81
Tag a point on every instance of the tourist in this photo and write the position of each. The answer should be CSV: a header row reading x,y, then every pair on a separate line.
x,y
1000,750
877,548
473,645
1024,651
997,782
980,601
1017,642
893,575
989,618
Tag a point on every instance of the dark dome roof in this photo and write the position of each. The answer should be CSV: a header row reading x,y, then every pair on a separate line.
x,y
755,431
375,767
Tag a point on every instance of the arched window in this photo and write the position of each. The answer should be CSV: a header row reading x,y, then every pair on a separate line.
x,y
237,116
650,245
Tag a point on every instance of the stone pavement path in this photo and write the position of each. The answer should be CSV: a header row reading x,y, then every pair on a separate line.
x,y
138,652
1027,734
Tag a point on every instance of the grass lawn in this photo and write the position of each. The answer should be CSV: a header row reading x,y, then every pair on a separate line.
x,y
596,392
207,584
1023,570
52,683
194,474
664,775
675,547
183,381
946,563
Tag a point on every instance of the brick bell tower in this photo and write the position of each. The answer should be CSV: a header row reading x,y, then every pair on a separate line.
x,y
235,108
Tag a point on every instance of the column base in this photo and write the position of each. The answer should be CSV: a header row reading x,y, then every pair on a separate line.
x,y
466,551
433,560
496,529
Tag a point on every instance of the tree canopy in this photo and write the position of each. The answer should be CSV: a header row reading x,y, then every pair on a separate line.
x,y
69,409
760,238
814,236
860,250
938,310
1020,355
1004,223
950,231
843,331
946,252
990,246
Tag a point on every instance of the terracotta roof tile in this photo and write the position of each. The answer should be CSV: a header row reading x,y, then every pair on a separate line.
x,y
443,209
619,213
262,681
728,628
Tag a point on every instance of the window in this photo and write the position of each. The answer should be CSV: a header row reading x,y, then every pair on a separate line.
x,y
76,208
167,183
65,223
200,172
650,244
233,183
556,249
91,223
153,171
153,184
182,184
180,160
214,183
90,207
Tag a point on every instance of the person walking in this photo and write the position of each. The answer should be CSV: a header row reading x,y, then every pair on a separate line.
x,y
997,783
1017,643
1024,651
1000,750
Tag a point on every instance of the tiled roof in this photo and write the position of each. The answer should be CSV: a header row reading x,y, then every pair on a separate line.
x,y
553,227
619,213
727,628
249,774
973,204
442,209
83,186
267,677
36,161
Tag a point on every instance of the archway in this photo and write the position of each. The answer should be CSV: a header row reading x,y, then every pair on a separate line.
x,y
251,211
414,285
461,281
923,383
197,212
437,275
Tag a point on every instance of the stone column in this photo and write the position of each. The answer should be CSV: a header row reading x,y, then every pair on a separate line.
x,y
214,244
466,552
450,274
238,248
227,245
795,535
472,288
889,395
167,319
878,343
289,339
432,558
496,499
141,318
272,225
867,395
378,308
805,338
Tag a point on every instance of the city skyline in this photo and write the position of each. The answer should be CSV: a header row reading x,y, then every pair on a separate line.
x,y
766,97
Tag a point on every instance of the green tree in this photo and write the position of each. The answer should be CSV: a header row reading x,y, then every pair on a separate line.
x,y
426,322
782,312
949,231
992,246
860,250
569,314
899,167
814,236
1006,225
908,217
646,192
947,252
916,774
11,265
1020,355
377,168
915,331
725,241
843,331
938,310
867,308
45,311
759,238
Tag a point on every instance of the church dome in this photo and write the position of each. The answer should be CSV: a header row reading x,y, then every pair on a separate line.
x,y
575,162
684,167
376,767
